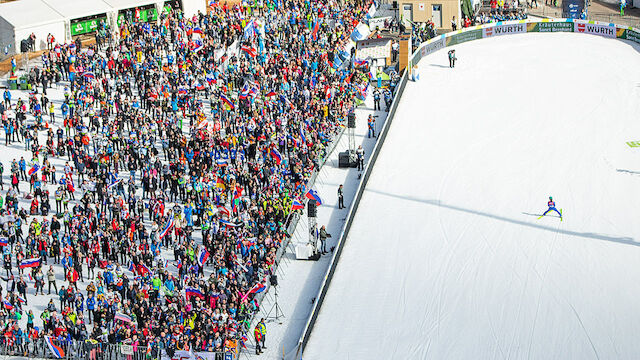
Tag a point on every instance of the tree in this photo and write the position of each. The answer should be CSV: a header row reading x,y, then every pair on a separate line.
x,y
467,8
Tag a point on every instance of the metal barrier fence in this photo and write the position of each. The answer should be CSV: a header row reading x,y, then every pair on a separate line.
x,y
38,348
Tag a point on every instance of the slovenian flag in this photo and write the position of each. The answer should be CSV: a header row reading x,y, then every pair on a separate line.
x,y
7,305
122,317
227,101
167,227
210,79
197,30
21,299
182,91
189,292
113,184
276,156
296,205
89,75
257,289
304,138
203,255
271,93
199,86
244,93
143,270
4,241
34,169
30,263
313,195
57,351
359,63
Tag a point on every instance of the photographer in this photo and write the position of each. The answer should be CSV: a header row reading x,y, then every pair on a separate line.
x,y
323,239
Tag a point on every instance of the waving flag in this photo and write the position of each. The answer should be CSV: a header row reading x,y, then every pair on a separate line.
x,y
190,291
314,32
8,305
276,156
89,75
237,193
122,317
360,63
22,300
271,93
57,351
34,169
224,210
257,289
304,138
113,184
4,241
244,93
227,101
249,50
30,263
167,227
203,255
197,45
227,223
196,30
296,205
313,195
210,79
143,270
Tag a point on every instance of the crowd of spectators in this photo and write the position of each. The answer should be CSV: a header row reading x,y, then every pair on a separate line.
x,y
173,164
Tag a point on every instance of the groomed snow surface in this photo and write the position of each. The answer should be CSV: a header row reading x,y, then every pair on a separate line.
x,y
447,259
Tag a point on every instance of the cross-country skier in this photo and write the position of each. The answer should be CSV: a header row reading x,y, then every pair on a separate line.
x,y
552,207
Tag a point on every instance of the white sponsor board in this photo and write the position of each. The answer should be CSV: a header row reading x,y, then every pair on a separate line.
x,y
378,22
506,29
433,46
595,29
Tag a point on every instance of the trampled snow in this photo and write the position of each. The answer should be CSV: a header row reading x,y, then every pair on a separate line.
x,y
447,258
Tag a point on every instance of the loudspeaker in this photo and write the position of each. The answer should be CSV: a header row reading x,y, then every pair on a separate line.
x,y
395,5
312,209
24,46
273,280
346,160
351,120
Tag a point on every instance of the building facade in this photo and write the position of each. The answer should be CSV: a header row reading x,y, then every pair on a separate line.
x,y
441,12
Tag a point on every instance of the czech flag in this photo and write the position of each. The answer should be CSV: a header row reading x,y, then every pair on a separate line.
x,y
203,255
189,292
276,156
57,351
167,227
34,169
30,263
296,205
227,101
122,317
249,50
313,195
4,241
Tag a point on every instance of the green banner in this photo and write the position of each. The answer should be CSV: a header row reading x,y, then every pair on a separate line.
x,y
86,26
628,34
464,37
550,27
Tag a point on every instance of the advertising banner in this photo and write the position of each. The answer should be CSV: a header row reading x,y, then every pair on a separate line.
x,y
86,26
379,22
572,9
464,37
550,26
628,34
507,29
596,29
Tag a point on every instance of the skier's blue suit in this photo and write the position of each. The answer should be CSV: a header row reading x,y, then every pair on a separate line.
x,y
552,207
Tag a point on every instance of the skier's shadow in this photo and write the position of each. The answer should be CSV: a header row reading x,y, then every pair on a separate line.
x,y
622,240
440,66
538,215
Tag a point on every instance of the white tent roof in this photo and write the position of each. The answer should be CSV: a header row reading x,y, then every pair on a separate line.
x,y
26,13
127,4
73,9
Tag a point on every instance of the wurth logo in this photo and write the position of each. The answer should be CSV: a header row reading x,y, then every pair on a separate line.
x,y
581,28
489,31
597,29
